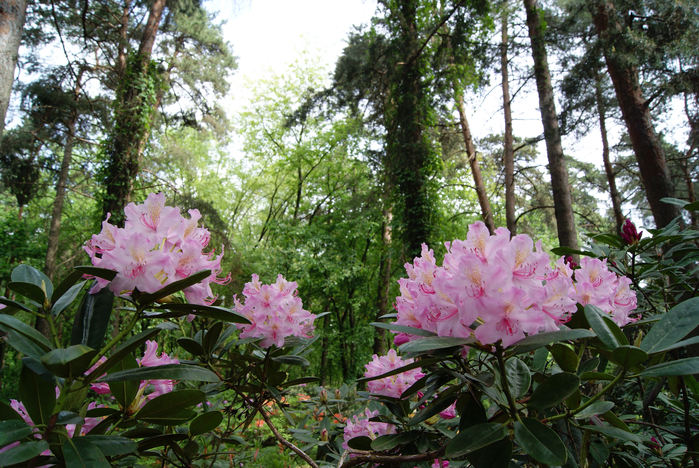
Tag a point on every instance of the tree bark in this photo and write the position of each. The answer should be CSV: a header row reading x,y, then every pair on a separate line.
x,y
384,282
646,146
562,199
486,212
611,179
508,156
12,14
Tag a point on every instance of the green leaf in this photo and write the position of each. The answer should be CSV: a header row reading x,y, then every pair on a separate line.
x,y
554,390
172,288
614,432
25,274
69,417
532,342
9,322
211,338
110,445
541,442
165,372
596,376
595,316
302,380
124,391
205,422
496,455
565,357
96,271
629,356
598,407
13,430
388,441
12,305
28,290
687,366
212,312
124,350
100,412
160,441
23,344
169,402
518,377
92,319
360,443
672,327
403,329
67,283
679,344
38,397
444,401
292,360
67,362
23,452
400,370
434,342
191,346
81,453
7,413
475,437
674,201
67,299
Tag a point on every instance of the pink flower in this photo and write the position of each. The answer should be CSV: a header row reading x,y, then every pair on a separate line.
x,y
361,426
629,233
150,359
449,413
394,385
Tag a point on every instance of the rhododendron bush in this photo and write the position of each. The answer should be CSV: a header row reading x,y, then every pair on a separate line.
x,y
503,355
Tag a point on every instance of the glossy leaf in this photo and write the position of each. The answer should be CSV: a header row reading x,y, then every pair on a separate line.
x,y
596,376
205,422
191,346
67,283
540,442
598,407
554,390
23,453
38,397
687,366
614,432
360,443
67,299
211,338
403,329
9,322
400,370
292,360
542,339
518,377
672,327
92,319
169,418
629,356
475,437
212,312
172,288
81,453
28,290
595,316
111,445
69,417
124,350
160,441
12,305
160,406
680,344
96,271
23,344
565,357
13,430
389,441
433,343
124,391
66,362
25,274
496,455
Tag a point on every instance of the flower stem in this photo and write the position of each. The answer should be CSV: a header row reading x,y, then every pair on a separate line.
x,y
505,384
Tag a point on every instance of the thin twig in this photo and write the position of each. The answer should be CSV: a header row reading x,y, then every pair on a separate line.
x,y
285,442
371,457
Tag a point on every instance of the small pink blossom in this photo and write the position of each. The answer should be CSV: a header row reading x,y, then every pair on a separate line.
x,y
360,426
394,385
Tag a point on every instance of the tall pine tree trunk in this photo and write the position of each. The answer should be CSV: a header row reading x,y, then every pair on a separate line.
x,y
562,199
12,13
508,156
646,146
486,212
135,98
384,282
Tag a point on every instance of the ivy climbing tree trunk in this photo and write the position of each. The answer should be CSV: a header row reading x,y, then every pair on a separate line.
x,y
508,156
562,199
136,97
12,13
486,212
655,173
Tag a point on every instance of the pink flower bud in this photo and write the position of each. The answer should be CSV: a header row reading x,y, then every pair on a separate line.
x,y
630,234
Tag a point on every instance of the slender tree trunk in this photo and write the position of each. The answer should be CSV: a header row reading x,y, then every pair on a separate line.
x,y
384,282
646,146
508,152
12,14
325,346
486,212
562,199
136,97
611,179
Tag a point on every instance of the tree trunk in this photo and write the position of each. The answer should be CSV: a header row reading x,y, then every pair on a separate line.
x,y
486,212
646,146
12,13
136,97
384,282
562,199
508,152
611,179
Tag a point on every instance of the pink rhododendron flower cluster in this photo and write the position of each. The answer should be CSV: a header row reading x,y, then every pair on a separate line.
x,y
275,312
156,247
394,385
497,288
361,426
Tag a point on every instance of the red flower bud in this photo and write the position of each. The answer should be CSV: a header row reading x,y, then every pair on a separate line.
x,y
630,234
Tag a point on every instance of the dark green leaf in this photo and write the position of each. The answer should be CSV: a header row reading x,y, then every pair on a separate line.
x,y
23,344
595,316
7,321
360,443
614,432
687,366
67,283
400,370
211,338
205,422
542,339
81,453
28,290
98,272
496,455
92,319
434,342
100,412
437,406
388,441
518,377
69,417
13,430
39,398
672,327
292,360
565,357
403,329
66,362
598,407
124,391
39,369
302,380
124,350
212,312
160,406
475,437
629,356
541,442
7,413
110,445
679,344
172,288
13,305
67,299
160,440
596,376
191,346
554,390
23,452
25,274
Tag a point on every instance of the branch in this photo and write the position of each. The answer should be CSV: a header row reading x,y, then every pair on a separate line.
x,y
371,457
417,53
285,442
